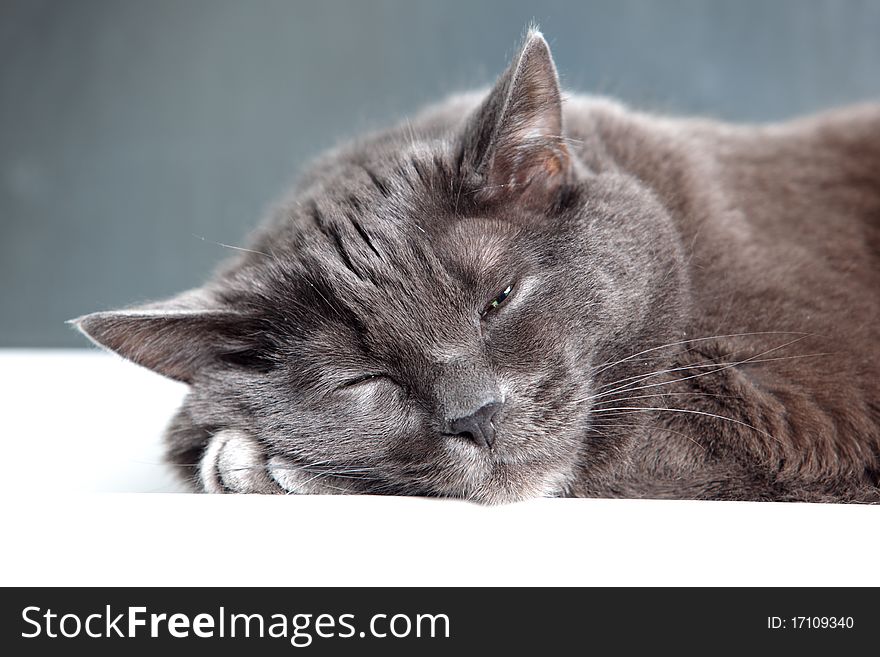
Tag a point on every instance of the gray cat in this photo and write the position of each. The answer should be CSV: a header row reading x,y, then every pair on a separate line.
x,y
514,296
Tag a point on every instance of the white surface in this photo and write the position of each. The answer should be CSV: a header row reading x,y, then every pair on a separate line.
x,y
84,421
79,427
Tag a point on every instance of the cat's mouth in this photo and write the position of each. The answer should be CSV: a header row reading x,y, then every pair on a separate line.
x,y
538,436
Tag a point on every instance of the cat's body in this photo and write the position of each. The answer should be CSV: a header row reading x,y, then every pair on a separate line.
x,y
478,304
781,225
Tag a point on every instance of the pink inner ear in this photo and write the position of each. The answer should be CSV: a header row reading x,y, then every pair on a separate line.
x,y
528,160
531,170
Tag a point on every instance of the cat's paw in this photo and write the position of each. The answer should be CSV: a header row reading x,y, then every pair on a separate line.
x,y
234,462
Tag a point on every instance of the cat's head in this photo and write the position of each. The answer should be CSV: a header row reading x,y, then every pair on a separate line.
x,y
428,312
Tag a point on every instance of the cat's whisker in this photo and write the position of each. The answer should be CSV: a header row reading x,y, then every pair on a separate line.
x,y
335,464
337,475
627,388
633,380
165,464
642,377
638,378
679,433
631,387
604,366
343,475
275,467
315,469
234,248
726,365
313,464
666,394
296,490
638,409
305,483
601,368
342,469
354,473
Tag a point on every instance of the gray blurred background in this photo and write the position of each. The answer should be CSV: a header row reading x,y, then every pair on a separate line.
x,y
131,129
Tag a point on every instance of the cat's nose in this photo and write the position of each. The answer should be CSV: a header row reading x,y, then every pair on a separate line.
x,y
477,426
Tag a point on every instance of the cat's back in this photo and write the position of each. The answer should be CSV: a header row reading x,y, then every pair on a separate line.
x,y
781,224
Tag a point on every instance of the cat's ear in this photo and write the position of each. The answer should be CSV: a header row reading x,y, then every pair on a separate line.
x,y
514,143
176,338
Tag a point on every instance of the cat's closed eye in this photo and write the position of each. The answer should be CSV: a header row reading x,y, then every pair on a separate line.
x,y
363,379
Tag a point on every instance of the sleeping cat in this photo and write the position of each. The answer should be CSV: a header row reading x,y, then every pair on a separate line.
x,y
514,296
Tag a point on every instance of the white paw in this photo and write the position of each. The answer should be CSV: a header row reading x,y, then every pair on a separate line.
x,y
236,463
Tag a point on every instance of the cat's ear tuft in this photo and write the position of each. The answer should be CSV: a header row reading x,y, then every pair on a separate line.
x,y
514,143
175,342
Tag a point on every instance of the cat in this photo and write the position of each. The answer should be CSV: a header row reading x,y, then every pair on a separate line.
x,y
514,295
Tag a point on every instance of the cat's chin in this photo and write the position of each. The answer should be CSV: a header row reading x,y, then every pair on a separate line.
x,y
502,478
237,463
508,486
507,492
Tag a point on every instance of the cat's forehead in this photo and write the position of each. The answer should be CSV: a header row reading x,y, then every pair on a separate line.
x,y
386,243
405,215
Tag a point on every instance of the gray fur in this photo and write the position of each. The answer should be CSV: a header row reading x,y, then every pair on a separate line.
x,y
694,311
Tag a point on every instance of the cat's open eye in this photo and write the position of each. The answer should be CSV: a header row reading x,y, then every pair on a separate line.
x,y
499,299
